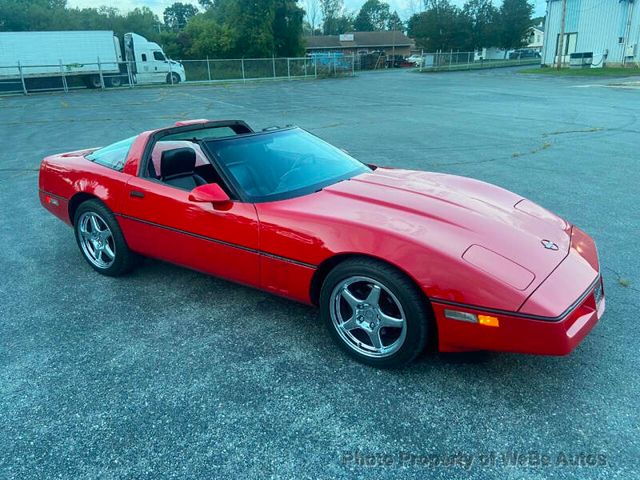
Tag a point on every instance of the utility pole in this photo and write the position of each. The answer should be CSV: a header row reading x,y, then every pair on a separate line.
x,y
563,21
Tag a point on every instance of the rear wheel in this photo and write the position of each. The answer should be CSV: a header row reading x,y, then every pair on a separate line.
x,y
93,81
375,312
101,241
115,81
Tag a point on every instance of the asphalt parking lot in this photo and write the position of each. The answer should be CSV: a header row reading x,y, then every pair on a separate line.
x,y
167,373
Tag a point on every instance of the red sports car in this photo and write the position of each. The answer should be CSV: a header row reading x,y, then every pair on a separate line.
x,y
395,259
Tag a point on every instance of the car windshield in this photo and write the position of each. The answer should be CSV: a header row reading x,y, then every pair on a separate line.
x,y
283,164
112,156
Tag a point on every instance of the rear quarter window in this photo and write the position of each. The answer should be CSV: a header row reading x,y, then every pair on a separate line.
x,y
113,156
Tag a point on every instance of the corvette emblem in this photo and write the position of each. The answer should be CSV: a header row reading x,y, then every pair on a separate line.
x,y
549,245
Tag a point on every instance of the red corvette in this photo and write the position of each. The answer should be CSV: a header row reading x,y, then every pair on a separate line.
x,y
395,259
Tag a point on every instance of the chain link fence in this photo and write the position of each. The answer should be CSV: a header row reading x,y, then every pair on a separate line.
x,y
30,78
452,61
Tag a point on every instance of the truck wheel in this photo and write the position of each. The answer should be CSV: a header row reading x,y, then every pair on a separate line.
x,y
115,81
173,78
93,81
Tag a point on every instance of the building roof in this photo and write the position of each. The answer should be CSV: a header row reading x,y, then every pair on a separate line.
x,y
360,39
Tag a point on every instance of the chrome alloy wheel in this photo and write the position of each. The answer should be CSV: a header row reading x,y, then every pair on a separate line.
x,y
96,240
368,317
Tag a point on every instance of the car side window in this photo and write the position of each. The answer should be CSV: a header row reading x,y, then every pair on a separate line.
x,y
144,57
113,156
158,56
180,165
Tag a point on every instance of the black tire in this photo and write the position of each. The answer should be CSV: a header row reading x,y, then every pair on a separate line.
x,y
123,259
173,78
115,81
93,81
414,308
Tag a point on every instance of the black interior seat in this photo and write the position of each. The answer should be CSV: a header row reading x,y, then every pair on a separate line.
x,y
177,168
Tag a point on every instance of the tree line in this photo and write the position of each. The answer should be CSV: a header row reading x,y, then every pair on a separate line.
x,y
217,29
262,28
478,24
441,26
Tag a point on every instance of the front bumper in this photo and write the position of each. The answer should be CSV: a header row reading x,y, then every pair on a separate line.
x,y
552,321
518,333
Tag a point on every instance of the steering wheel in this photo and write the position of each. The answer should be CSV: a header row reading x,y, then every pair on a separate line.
x,y
295,171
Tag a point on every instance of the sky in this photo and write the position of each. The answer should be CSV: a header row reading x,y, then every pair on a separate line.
x,y
404,7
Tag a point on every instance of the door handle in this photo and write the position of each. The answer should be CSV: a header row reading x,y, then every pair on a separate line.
x,y
136,194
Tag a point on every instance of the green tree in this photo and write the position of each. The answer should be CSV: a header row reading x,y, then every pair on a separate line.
x,y
441,26
331,10
247,28
177,15
373,16
227,28
344,23
395,23
514,21
482,22
22,15
287,28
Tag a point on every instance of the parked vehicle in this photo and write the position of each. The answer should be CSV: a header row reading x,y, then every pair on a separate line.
x,y
416,60
90,56
395,259
524,53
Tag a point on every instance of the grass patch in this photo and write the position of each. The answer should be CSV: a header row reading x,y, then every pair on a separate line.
x,y
584,72
477,65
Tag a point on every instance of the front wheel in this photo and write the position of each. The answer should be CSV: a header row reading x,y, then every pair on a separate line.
x,y
375,313
101,241
173,78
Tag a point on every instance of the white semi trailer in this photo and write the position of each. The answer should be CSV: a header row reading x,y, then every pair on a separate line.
x,y
94,57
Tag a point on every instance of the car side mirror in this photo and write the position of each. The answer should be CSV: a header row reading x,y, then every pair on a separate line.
x,y
209,193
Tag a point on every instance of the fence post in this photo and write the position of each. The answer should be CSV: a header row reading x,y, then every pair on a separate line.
x,y
353,64
450,58
315,66
469,60
242,66
335,65
65,87
24,85
100,72
305,67
170,74
208,68
288,69
273,60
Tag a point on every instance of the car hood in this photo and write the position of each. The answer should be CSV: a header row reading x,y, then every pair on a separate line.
x,y
493,229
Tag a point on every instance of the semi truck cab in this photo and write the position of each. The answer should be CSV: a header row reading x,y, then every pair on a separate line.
x,y
149,64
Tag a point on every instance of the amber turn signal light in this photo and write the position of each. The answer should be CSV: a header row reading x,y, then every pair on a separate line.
x,y
488,321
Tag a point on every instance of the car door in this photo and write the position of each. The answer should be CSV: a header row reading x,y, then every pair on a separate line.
x,y
150,69
159,221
